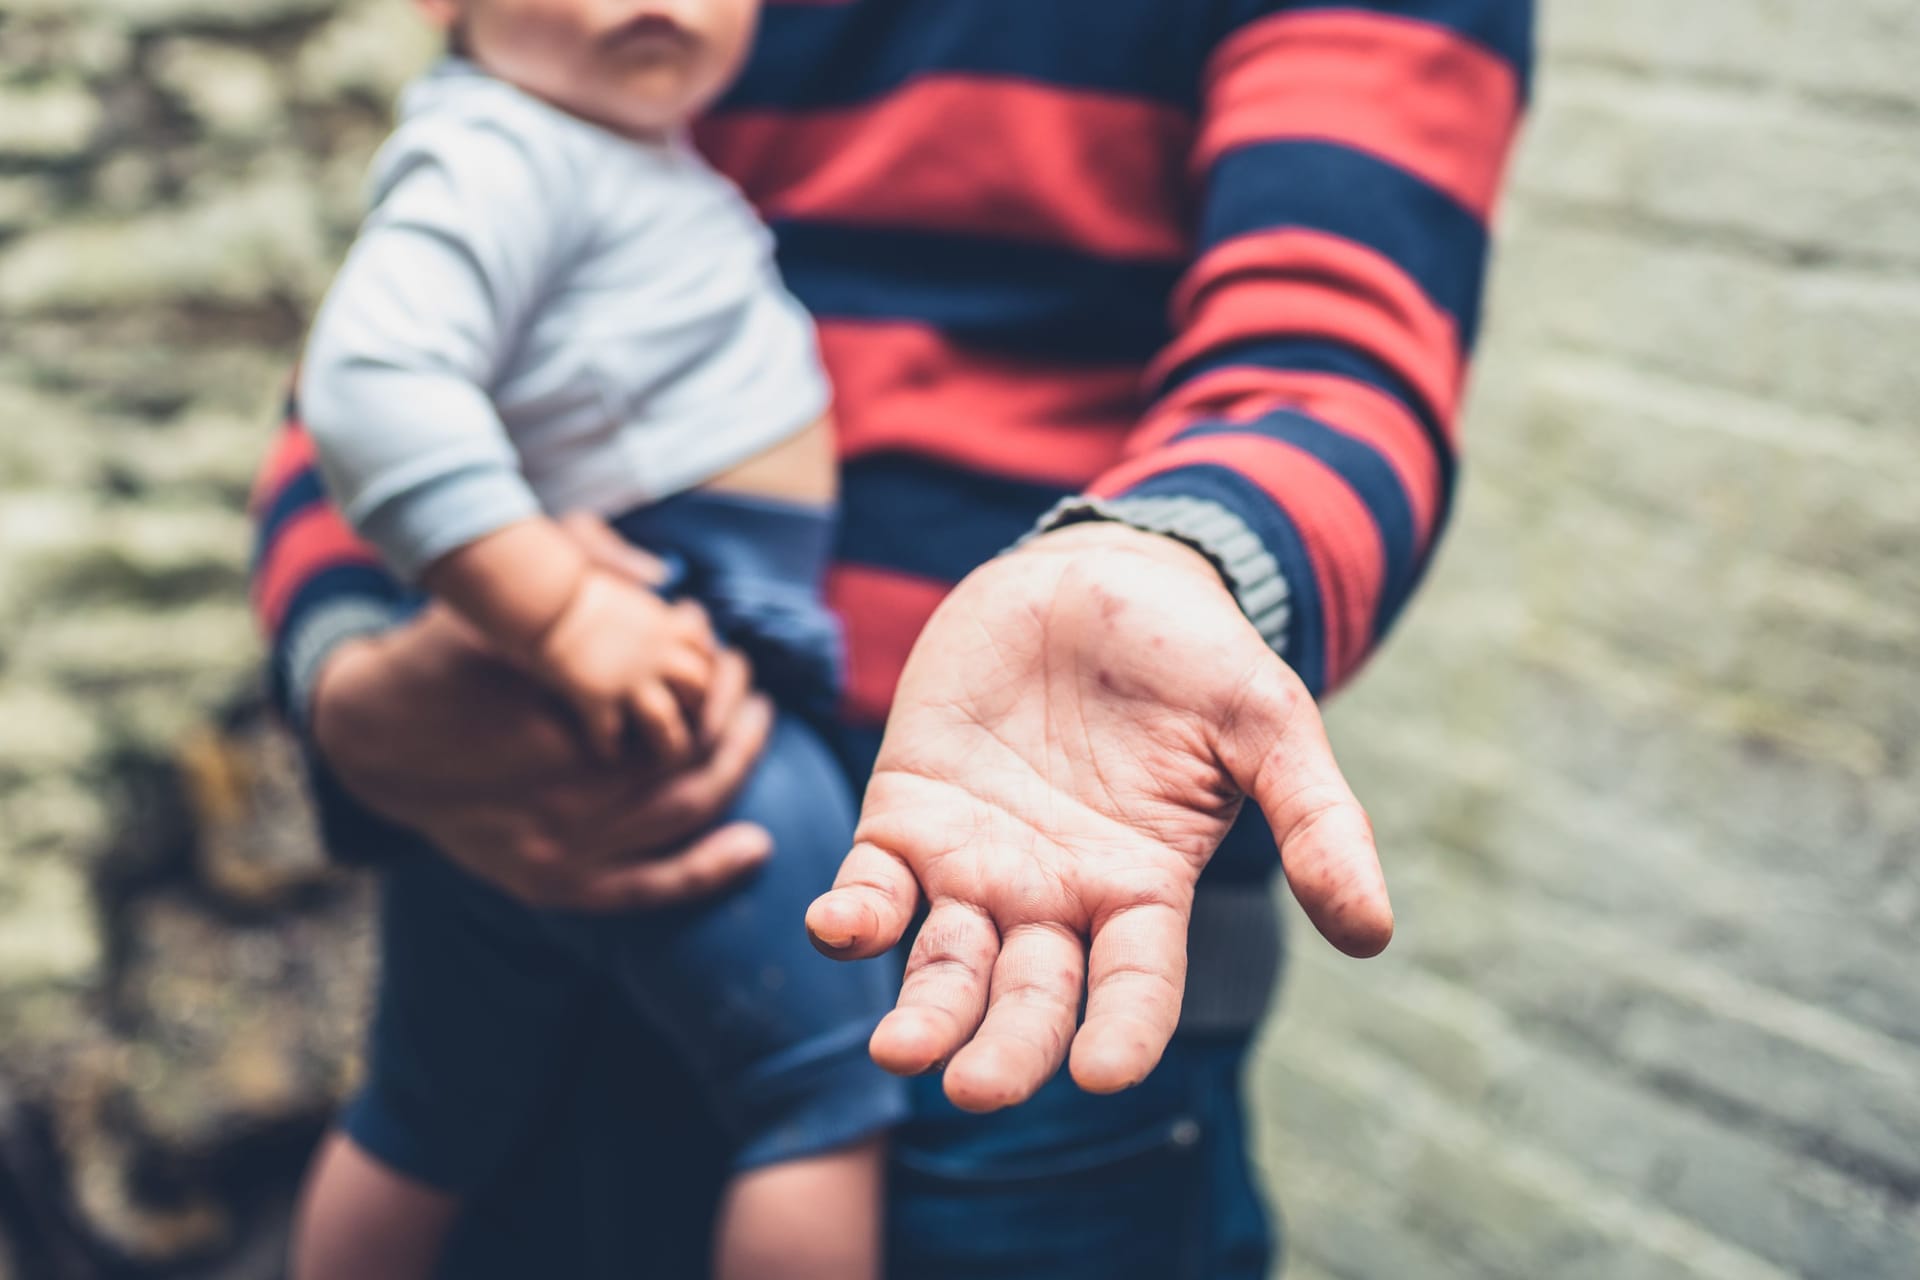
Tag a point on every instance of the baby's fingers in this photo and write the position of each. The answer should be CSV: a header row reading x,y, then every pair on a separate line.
x,y
687,671
687,623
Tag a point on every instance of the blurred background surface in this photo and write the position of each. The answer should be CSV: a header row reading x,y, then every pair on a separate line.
x,y
1642,755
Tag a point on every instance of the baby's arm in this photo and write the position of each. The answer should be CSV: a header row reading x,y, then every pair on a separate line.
x,y
472,222
616,652
464,238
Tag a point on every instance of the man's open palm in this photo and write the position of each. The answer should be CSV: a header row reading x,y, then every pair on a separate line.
x,y
1070,740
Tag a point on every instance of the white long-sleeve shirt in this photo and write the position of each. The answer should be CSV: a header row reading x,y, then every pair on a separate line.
x,y
540,314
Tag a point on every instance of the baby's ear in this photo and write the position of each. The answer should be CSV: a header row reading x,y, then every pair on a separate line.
x,y
441,13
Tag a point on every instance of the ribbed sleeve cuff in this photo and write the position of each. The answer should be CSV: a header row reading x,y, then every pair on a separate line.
x,y
312,638
1249,569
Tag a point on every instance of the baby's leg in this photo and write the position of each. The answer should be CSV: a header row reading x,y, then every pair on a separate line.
x,y
814,1218
777,1031
361,1220
478,1013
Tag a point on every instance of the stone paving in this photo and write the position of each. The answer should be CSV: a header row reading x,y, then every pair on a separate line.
x,y
180,974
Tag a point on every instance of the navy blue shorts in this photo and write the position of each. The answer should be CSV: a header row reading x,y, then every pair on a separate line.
x,y
485,1005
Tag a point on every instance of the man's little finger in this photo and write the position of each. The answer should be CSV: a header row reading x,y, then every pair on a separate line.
x,y
872,901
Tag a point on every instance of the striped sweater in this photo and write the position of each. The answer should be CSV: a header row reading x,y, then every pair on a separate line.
x,y
1226,250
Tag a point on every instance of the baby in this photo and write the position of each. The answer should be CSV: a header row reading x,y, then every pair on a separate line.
x,y
554,305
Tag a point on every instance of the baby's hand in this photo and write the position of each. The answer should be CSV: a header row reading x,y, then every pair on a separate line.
x,y
621,656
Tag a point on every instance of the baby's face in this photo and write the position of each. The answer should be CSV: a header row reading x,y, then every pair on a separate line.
x,y
635,66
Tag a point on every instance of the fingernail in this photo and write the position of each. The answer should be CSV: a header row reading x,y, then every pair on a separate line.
x,y
835,941
831,950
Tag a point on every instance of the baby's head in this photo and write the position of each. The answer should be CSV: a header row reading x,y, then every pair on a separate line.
x,y
635,66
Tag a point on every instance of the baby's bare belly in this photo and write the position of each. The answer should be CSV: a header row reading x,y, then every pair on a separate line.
x,y
800,469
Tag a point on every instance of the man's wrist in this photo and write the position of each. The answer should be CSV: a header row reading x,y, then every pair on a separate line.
x,y
329,713
1109,535
315,640
1207,529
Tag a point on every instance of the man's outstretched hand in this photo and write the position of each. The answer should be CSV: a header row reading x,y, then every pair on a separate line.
x,y
1071,739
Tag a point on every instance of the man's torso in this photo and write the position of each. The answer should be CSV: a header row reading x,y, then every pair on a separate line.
x,y
986,208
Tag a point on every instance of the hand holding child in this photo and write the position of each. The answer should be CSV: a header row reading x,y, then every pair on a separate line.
x,y
620,656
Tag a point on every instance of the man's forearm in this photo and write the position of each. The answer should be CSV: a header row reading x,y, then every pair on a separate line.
x,y
1322,330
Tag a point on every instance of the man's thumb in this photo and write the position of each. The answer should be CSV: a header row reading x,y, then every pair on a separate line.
x,y
1275,747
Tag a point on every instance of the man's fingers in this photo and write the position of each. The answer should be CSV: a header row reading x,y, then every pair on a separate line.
x,y
604,727
1276,748
944,993
709,865
1136,974
1031,1011
661,722
665,814
728,685
870,905
1334,872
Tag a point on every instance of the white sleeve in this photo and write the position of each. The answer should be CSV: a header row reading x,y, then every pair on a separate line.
x,y
471,222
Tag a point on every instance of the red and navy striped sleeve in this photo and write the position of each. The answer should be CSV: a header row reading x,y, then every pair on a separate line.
x,y
314,582
1347,163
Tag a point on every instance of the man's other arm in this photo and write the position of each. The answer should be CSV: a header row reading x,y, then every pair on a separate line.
x,y
1349,160
1080,720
